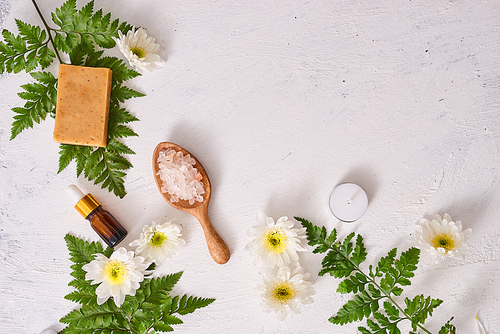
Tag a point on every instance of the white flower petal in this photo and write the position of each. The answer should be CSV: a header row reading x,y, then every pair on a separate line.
x,y
275,244
480,326
138,39
117,275
169,246
103,291
101,300
126,287
298,288
119,299
426,233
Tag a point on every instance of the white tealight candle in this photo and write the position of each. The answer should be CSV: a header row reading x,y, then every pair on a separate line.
x,y
348,202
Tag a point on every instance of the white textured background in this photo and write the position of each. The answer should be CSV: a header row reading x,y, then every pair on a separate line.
x,y
281,101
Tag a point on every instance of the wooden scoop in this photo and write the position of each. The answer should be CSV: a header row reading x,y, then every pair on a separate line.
x,y
216,246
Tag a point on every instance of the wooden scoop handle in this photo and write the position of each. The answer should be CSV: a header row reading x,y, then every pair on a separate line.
x,y
216,246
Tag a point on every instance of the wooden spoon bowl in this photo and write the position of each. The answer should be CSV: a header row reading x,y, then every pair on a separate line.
x,y
216,246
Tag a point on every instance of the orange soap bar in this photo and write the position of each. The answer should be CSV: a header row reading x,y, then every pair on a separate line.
x,y
82,105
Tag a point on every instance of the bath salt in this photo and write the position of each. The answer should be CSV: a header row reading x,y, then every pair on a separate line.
x,y
180,179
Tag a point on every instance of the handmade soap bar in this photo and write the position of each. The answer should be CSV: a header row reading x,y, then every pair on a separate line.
x,y
82,105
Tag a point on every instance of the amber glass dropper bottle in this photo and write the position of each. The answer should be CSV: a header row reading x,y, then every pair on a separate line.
x,y
103,222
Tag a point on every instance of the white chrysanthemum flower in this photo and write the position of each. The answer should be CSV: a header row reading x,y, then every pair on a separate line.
x,y
286,292
159,242
118,275
442,237
139,49
276,243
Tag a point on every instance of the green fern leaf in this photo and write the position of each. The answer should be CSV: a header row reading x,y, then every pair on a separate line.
x,y
121,72
353,283
171,319
347,247
78,54
115,163
23,120
93,317
364,330
114,146
162,327
393,329
141,320
391,311
387,261
119,115
40,100
448,328
332,238
359,254
85,16
398,271
317,236
34,50
354,310
374,326
37,41
420,308
381,319
120,93
67,153
337,265
121,131
84,298
380,325
82,251
63,15
168,282
156,290
31,34
6,49
85,27
81,158
343,260
94,164
190,304
17,45
407,263
99,164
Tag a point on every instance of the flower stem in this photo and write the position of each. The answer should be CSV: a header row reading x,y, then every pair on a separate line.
x,y
48,31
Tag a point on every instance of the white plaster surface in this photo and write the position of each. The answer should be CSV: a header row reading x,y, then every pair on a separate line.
x,y
281,101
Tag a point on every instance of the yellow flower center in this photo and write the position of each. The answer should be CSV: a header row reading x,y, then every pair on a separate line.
x,y
157,239
443,240
275,241
115,272
283,292
139,52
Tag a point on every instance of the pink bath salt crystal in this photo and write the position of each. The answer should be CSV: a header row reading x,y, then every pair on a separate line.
x,y
180,179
